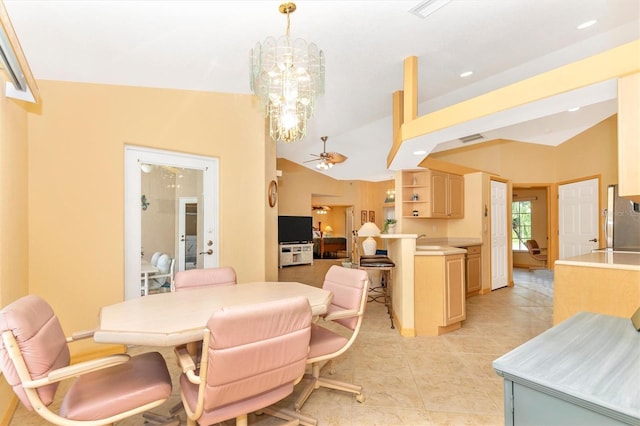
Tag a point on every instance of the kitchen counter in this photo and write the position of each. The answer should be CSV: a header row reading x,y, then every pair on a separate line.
x,y
605,259
583,371
444,246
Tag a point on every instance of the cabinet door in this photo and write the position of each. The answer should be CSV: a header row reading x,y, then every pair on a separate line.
x,y
439,189
454,297
456,196
473,273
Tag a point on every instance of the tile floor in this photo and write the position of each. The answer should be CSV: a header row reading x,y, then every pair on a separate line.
x,y
445,380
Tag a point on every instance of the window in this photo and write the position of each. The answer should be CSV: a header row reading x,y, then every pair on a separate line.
x,y
521,219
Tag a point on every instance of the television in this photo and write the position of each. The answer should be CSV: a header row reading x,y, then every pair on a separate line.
x,y
295,229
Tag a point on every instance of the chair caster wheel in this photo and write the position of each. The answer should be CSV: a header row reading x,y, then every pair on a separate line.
x,y
360,398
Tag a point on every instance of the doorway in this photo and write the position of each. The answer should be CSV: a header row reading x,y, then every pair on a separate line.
x,y
177,175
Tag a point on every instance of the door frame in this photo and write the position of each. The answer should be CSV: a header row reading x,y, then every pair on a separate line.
x,y
133,157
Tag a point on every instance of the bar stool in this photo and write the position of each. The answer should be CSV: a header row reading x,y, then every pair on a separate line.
x,y
385,265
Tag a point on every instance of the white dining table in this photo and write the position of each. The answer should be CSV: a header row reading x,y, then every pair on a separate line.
x,y
147,268
171,319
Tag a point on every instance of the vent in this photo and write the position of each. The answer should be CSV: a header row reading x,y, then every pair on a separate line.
x,y
471,138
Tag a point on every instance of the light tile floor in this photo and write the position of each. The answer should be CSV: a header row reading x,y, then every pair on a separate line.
x,y
445,380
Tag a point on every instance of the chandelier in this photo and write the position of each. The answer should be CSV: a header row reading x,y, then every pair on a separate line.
x,y
287,76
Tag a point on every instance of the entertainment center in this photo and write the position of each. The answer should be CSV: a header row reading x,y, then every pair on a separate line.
x,y
296,254
295,238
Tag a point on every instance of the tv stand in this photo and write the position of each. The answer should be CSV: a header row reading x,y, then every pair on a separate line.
x,y
295,254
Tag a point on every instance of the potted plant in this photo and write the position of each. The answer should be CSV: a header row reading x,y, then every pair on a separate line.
x,y
389,226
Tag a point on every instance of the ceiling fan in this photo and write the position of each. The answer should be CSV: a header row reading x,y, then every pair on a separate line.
x,y
327,159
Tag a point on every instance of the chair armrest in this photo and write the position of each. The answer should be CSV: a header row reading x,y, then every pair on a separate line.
x,y
79,335
187,364
78,369
340,314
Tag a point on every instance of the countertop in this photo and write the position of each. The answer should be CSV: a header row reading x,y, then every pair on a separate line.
x,y
591,360
609,260
444,246
437,246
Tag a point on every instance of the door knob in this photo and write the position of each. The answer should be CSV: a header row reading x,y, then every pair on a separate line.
x,y
209,252
594,240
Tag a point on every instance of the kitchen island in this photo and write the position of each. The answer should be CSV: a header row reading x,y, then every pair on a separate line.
x,y
581,372
602,282
429,277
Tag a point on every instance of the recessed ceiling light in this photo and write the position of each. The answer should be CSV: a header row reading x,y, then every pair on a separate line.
x,y
426,8
573,109
419,152
466,74
586,24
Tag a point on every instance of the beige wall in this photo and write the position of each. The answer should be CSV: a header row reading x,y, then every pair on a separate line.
x,y
300,188
591,152
14,272
76,184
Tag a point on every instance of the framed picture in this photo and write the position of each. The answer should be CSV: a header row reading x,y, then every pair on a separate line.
x,y
372,216
363,217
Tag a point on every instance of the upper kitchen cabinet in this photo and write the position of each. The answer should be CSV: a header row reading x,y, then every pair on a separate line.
x,y
432,194
629,136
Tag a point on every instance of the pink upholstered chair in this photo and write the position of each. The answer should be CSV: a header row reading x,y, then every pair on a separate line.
x,y
34,357
195,278
254,355
349,288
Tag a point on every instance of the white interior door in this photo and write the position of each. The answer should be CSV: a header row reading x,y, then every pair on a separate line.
x,y
207,213
499,235
578,220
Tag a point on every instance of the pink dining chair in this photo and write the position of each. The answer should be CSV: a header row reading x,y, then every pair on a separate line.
x,y
349,288
196,278
254,354
34,356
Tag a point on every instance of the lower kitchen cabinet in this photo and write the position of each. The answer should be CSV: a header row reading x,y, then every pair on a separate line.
x,y
474,270
439,294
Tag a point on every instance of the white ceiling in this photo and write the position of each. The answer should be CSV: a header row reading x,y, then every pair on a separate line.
x,y
204,45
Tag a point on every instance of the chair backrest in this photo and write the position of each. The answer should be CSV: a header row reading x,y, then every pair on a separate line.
x,y
253,350
532,246
196,278
41,343
349,287
165,269
155,257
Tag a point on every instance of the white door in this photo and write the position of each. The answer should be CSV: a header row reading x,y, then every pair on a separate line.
x,y
578,208
187,233
499,235
134,157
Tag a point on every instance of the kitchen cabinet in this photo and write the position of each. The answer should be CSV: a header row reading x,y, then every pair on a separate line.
x,y
473,270
629,136
432,194
439,293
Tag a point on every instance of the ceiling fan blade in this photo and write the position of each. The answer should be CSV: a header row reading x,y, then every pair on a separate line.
x,y
315,159
335,157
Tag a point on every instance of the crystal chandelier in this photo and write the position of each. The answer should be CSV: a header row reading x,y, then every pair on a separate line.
x,y
287,76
